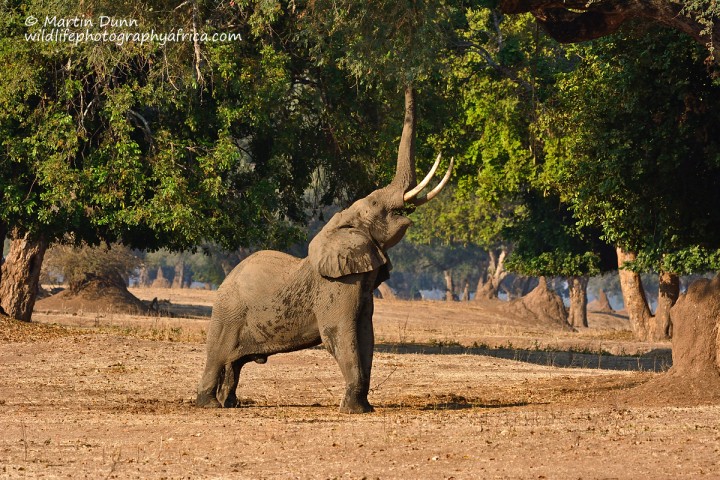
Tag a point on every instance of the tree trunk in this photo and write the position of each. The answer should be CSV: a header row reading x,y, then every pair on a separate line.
x,y
143,276
466,291
3,234
21,275
386,292
634,297
661,327
179,275
449,287
496,274
577,317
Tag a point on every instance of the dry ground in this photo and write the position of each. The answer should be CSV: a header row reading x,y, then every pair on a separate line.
x,y
110,396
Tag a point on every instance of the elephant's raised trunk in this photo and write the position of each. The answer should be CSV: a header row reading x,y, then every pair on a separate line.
x,y
405,170
405,181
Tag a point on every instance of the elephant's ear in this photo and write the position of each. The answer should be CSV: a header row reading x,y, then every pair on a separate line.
x,y
344,251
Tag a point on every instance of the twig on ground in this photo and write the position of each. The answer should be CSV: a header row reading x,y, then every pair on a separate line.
x,y
377,387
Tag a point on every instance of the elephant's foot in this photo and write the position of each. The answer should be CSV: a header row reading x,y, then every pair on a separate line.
x,y
206,400
355,405
231,401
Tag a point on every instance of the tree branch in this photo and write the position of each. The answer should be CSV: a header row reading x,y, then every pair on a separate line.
x,y
496,66
144,125
570,21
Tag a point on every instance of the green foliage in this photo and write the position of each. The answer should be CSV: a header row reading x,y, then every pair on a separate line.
x,y
237,144
507,70
706,13
561,146
178,144
457,218
686,261
631,145
131,142
549,243
494,81
488,113
384,42
556,263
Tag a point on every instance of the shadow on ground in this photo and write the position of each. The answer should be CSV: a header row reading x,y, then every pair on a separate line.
x,y
658,360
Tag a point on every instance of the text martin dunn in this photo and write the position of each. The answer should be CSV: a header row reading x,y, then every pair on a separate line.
x,y
78,22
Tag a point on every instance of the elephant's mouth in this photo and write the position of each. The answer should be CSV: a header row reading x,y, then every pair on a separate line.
x,y
406,210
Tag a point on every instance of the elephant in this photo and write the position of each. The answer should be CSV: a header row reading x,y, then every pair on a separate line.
x,y
273,302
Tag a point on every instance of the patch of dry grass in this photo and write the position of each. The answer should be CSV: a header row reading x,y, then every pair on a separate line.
x,y
13,331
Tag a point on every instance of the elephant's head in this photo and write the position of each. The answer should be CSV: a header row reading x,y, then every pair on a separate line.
x,y
355,240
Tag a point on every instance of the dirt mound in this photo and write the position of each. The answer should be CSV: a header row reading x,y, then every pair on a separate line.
x,y
695,375
600,304
160,281
107,294
542,305
696,322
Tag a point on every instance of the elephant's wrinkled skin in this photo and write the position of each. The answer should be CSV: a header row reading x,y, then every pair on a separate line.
x,y
274,303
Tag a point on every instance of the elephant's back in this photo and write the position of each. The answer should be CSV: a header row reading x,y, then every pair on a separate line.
x,y
259,275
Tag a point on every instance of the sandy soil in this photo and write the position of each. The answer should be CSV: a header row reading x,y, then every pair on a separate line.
x,y
106,395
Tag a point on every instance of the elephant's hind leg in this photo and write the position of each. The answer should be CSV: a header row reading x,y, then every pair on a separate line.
x,y
208,388
227,395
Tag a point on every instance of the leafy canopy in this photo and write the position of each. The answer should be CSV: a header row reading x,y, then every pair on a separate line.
x,y
632,146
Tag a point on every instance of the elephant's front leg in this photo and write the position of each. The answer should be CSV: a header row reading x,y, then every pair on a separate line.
x,y
366,340
347,332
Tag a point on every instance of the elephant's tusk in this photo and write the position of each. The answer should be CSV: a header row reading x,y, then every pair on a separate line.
x,y
433,193
412,193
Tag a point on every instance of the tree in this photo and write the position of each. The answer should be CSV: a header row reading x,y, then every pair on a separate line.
x,y
508,70
641,105
437,240
549,243
578,20
183,143
437,262
103,141
75,263
487,92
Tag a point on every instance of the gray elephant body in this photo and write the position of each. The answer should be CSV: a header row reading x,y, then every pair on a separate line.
x,y
274,303
259,304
